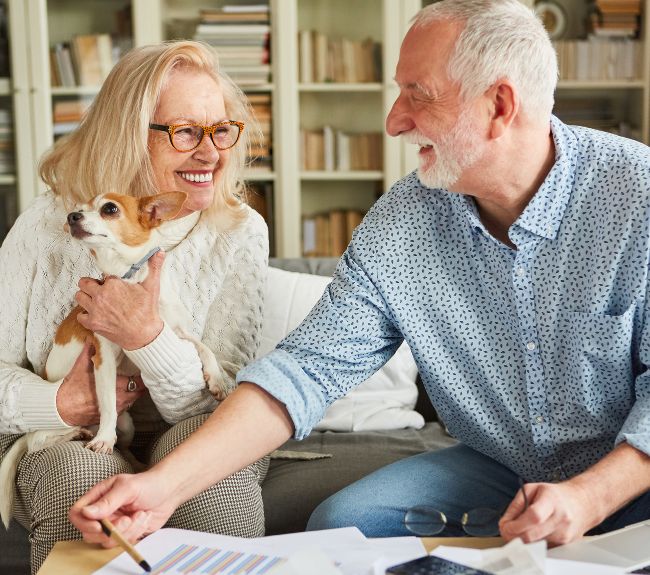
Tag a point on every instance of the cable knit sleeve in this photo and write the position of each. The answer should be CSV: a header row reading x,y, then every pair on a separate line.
x,y
234,327
27,402
170,365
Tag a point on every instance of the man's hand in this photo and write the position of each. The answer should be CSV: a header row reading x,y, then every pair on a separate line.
x,y
76,400
557,512
136,504
562,512
126,314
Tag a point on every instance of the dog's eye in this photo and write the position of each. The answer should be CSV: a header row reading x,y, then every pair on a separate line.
x,y
110,209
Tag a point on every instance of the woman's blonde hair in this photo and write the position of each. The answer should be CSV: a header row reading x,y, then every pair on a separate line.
x,y
109,152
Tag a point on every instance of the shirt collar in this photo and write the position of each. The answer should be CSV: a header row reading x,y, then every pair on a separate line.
x,y
543,214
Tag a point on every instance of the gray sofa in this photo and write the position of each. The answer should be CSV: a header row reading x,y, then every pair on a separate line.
x,y
293,488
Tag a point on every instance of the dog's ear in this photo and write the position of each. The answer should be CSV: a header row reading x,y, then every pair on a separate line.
x,y
161,207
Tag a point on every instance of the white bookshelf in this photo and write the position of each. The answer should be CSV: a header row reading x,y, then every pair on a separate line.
x,y
629,100
36,24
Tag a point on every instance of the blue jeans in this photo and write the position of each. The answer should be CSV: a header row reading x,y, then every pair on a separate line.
x,y
452,480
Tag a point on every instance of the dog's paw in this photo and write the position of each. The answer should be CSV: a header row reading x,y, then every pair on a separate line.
x,y
102,445
217,388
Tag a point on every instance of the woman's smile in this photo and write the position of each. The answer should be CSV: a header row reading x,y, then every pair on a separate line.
x,y
197,177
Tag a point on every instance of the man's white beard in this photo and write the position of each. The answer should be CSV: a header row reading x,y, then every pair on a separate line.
x,y
456,151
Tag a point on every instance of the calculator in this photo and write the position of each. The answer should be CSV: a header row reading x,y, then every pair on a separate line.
x,y
431,565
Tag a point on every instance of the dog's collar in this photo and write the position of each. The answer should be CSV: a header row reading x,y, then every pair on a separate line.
x,y
136,266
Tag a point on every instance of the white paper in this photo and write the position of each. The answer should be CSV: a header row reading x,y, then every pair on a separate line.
x,y
395,550
347,549
515,558
308,560
564,567
475,558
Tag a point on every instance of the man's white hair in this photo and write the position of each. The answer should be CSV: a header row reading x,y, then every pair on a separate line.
x,y
500,39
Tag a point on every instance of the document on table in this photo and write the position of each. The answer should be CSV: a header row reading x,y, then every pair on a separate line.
x,y
492,559
175,551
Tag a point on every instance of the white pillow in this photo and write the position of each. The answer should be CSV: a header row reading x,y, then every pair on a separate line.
x,y
384,401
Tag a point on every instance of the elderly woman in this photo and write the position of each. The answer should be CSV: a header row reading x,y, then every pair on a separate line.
x,y
165,119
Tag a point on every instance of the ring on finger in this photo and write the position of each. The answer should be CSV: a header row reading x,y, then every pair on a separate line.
x,y
132,385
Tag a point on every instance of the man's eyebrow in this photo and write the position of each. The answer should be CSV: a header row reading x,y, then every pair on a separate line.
x,y
415,87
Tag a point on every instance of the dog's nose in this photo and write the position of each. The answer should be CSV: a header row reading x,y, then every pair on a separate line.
x,y
75,217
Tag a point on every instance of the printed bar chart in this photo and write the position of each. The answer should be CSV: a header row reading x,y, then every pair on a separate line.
x,y
193,559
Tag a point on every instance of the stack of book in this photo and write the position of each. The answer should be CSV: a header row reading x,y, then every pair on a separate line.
x,y
84,61
597,113
616,18
4,41
8,209
600,58
335,150
67,114
240,34
260,197
327,234
261,141
329,59
7,158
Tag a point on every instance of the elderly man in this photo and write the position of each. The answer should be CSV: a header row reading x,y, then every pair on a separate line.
x,y
514,263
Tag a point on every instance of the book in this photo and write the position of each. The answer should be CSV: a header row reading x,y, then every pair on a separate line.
x,y
338,237
329,149
69,110
216,16
104,54
328,233
305,57
233,29
86,59
65,69
309,236
323,58
245,8
322,234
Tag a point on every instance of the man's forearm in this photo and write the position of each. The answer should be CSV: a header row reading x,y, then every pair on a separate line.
x,y
615,480
249,424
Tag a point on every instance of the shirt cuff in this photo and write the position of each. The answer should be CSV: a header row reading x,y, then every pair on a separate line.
x,y
281,376
161,357
37,405
636,429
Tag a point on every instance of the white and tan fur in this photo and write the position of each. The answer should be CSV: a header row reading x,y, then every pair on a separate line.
x,y
119,231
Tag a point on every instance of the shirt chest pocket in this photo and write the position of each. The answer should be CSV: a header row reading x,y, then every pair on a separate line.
x,y
595,353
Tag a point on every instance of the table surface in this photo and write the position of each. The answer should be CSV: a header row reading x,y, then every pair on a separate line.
x,y
79,558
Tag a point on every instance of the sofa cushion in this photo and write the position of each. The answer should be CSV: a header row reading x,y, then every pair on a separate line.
x,y
14,550
294,488
384,401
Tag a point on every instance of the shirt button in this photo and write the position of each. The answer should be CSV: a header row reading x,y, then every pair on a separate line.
x,y
530,346
539,419
520,271
556,476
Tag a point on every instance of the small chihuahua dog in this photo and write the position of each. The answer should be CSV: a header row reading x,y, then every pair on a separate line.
x,y
122,232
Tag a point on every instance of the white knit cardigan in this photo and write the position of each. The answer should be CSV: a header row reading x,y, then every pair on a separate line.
x,y
219,277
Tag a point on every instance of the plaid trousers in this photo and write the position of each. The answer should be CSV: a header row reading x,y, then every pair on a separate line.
x,y
49,481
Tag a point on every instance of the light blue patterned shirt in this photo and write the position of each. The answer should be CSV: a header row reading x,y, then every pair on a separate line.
x,y
536,357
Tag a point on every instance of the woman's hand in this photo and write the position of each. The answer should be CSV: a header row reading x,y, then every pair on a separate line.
x,y
76,400
136,504
124,313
